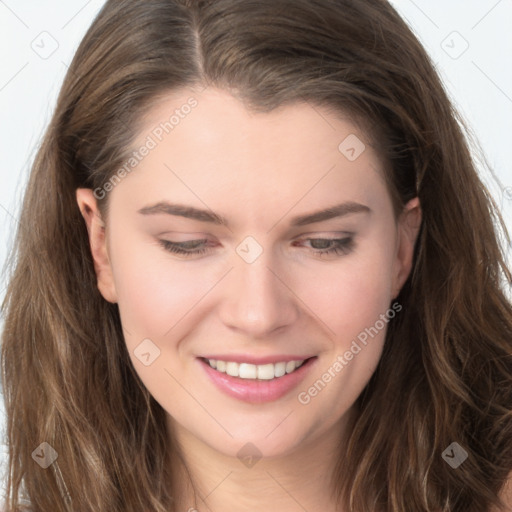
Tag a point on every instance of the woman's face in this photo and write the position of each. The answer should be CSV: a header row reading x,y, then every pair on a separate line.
x,y
291,253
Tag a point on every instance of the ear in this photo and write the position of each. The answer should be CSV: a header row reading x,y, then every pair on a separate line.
x,y
409,224
98,242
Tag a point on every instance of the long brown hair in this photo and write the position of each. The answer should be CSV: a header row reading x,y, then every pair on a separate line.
x,y
446,371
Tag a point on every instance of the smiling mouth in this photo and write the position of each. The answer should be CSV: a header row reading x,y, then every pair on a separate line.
x,y
249,371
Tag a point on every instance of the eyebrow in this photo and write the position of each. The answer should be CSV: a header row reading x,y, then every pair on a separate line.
x,y
189,212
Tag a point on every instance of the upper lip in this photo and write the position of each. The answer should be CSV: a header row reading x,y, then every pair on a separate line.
x,y
246,358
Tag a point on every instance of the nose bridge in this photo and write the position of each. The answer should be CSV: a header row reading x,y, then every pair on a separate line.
x,y
256,301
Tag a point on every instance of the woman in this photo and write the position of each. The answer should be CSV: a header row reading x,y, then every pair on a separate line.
x,y
256,270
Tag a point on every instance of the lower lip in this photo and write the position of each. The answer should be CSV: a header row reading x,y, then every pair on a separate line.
x,y
254,390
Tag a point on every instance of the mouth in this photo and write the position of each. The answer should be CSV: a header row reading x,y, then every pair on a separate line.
x,y
267,371
257,383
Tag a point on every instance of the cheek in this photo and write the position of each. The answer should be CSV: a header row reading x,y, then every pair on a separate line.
x,y
159,300
356,307
350,295
154,292
354,302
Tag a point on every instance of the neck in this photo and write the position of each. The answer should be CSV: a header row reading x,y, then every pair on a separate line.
x,y
210,481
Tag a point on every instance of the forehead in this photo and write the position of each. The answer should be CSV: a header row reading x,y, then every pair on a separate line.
x,y
207,143
219,121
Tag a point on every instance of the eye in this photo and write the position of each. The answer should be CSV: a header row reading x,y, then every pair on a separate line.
x,y
320,246
328,246
188,248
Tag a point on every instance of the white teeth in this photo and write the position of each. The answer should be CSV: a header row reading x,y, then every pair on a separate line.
x,y
265,371
253,371
247,371
290,366
232,369
280,369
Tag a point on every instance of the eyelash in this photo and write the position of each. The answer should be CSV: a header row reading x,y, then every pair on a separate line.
x,y
343,246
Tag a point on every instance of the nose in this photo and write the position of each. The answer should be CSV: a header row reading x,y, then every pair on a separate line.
x,y
258,299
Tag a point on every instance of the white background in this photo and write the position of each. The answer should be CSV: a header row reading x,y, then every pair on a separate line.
x,y
479,80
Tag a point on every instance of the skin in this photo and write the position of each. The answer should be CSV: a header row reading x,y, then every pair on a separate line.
x,y
258,171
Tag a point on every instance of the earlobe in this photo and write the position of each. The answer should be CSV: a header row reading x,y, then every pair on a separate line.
x,y
409,224
88,206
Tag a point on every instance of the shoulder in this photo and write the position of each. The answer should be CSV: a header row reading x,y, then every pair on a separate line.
x,y
506,494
